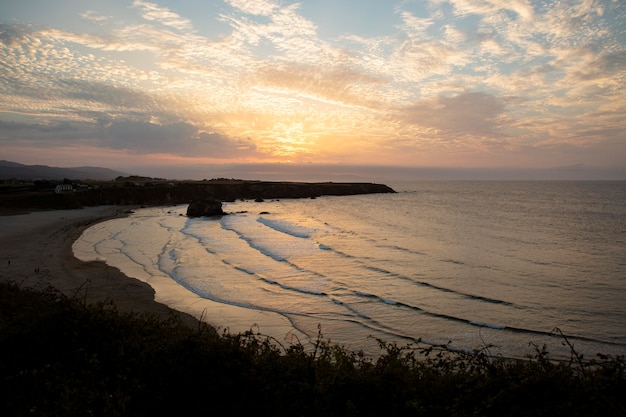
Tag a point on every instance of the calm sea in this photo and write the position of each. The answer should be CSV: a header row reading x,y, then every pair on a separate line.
x,y
469,264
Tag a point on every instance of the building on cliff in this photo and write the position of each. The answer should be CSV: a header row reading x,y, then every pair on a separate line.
x,y
63,188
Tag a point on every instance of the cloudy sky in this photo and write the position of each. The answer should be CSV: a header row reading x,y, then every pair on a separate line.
x,y
407,83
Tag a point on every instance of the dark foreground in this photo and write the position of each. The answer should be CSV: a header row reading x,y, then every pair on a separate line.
x,y
62,357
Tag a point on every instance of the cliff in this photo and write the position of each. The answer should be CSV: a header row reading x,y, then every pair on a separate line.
x,y
182,193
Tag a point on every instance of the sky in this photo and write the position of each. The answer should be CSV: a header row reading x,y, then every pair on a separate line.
x,y
315,85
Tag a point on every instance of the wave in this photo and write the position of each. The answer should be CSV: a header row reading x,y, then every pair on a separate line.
x,y
439,288
453,261
351,310
292,288
279,248
287,227
298,237
403,249
498,327
491,326
301,236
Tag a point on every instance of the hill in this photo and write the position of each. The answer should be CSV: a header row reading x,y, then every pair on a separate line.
x,y
19,171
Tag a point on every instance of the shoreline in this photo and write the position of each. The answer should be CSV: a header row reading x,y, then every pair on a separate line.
x,y
224,317
36,252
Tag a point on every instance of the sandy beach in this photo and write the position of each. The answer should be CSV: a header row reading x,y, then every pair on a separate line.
x,y
36,252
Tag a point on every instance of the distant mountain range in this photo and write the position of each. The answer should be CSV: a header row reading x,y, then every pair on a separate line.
x,y
42,172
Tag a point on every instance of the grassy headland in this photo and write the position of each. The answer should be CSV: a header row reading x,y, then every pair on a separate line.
x,y
41,195
63,357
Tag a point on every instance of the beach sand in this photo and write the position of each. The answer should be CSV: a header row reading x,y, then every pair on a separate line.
x,y
36,252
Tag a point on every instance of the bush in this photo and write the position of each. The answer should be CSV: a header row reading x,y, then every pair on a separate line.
x,y
61,357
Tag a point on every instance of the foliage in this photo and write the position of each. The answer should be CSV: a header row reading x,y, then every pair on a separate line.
x,y
61,357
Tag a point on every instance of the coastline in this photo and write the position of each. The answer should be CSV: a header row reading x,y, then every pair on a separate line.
x,y
36,252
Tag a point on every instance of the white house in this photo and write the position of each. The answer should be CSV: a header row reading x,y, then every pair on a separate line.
x,y
63,188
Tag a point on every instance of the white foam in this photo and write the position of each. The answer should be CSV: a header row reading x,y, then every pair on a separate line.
x,y
271,242
287,227
491,326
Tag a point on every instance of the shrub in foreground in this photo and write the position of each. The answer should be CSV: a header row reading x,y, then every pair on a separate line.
x,y
63,358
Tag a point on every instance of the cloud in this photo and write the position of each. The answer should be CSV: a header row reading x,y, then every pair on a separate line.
x,y
464,114
342,85
487,7
599,67
291,36
480,74
154,12
255,7
49,134
12,36
177,139
136,137
94,16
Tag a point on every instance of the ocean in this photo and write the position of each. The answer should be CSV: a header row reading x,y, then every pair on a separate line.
x,y
503,266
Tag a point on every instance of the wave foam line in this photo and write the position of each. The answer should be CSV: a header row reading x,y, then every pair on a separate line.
x,y
287,227
498,327
297,290
438,288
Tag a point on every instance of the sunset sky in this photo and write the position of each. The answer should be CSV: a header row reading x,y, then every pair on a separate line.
x,y
466,84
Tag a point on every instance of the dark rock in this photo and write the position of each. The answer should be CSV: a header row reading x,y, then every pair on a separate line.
x,y
258,200
198,208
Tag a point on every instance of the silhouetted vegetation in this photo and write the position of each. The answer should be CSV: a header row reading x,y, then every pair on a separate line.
x,y
61,357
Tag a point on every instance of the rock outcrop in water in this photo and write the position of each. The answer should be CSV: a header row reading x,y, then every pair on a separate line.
x,y
182,192
199,208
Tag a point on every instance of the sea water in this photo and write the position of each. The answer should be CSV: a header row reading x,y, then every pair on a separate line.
x,y
468,264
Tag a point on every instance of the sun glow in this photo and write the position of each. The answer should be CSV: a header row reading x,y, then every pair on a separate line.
x,y
231,81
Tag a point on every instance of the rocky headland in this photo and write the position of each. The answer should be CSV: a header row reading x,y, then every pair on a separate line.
x,y
178,192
